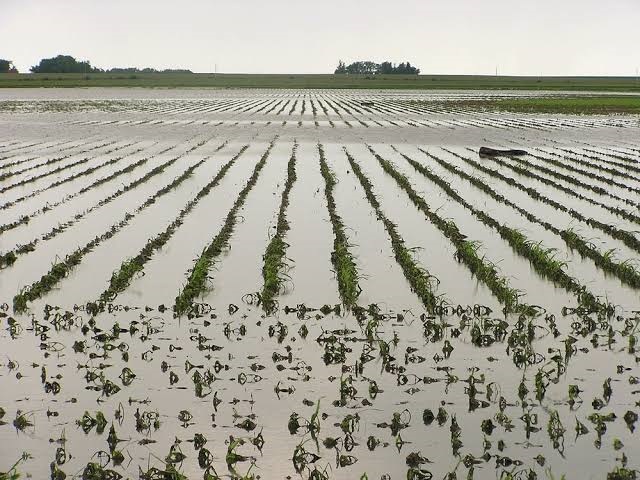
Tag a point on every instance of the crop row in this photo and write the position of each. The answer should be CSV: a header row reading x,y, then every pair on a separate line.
x,y
53,171
541,258
274,268
61,269
17,163
572,179
128,169
121,279
466,250
197,281
626,237
341,257
625,271
422,282
82,173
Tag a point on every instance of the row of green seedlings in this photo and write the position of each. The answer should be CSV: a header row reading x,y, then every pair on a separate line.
x,y
71,178
335,109
197,282
598,162
275,255
293,107
615,210
122,278
12,172
541,258
423,284
625,271
326,112
12,256
61,270
627,162
625,237
466,250
47,173
14,148
100,181
15,163
566,166
341,257
619,152
567,178
24,219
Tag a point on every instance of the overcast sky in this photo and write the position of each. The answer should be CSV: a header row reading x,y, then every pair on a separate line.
x,y
533,37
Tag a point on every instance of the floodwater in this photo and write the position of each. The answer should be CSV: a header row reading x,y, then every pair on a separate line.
x,y
309,385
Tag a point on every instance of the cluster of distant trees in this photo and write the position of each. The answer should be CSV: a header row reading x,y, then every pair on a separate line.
x,y
68,64
384,68
6,66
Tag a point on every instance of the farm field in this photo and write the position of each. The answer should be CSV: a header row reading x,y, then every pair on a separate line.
x,y
323,284
323,81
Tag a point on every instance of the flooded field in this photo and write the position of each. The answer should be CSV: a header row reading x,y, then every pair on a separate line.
x,y
315,284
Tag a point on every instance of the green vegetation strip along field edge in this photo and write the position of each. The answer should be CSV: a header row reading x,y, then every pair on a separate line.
x,y
626,237
121,278
421,281
299,81
541,258
275,253
625,271
197,282
341,256
466,250
11,257
60,270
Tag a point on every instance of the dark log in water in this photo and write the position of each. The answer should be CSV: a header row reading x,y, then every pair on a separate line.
x,y
492,152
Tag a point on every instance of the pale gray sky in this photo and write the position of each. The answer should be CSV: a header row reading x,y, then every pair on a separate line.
x,y
534,37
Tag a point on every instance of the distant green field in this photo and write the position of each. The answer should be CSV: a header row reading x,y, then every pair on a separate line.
x,y
294,81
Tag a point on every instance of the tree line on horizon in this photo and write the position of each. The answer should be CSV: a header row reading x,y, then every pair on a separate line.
x,y
368,67
68,64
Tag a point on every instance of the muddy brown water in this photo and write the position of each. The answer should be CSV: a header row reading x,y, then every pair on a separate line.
x,y
399,392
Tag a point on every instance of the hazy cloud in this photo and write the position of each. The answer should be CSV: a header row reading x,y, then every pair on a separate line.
x,y
548,37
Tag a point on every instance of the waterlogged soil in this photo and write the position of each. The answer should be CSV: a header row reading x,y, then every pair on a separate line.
x,y
311,385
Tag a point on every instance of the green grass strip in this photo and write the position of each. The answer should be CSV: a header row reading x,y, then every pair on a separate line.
x,y
275,253
341,257
121,278
197,282
421,281
60,270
